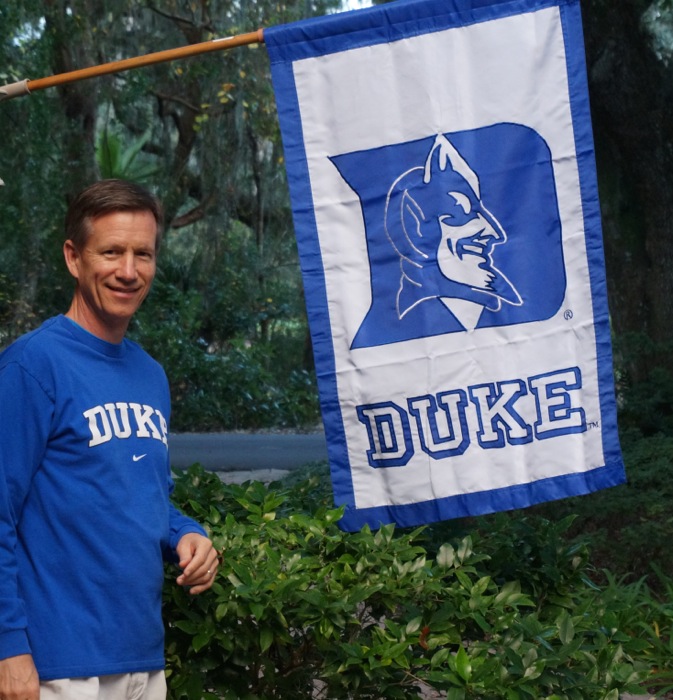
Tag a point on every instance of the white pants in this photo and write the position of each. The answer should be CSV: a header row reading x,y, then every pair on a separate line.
x,y
125,686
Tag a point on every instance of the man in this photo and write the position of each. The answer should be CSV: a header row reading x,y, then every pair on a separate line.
x,y
85,518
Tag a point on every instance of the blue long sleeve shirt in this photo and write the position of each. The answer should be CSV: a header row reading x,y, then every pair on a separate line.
x,y
85,516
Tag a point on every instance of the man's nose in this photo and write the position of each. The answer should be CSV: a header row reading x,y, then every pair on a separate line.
x,y
127,269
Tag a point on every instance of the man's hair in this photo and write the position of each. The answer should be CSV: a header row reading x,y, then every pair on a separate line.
x,y
107,197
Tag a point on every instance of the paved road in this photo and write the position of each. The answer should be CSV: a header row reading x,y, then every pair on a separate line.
x,y
232,452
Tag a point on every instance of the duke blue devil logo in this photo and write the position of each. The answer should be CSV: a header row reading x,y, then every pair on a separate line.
x,y
463,232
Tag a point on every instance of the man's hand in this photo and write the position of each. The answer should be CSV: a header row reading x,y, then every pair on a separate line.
x,y
19,679
198,561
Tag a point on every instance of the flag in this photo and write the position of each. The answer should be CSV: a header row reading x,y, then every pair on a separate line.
x,y
441,169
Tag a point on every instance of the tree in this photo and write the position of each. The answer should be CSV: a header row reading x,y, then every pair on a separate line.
x,y
632,97
203,132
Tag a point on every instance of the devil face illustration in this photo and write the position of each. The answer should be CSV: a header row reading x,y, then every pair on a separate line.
x,y
444,235
461,230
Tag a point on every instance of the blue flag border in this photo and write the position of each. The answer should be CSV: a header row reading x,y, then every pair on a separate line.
x,y
382,24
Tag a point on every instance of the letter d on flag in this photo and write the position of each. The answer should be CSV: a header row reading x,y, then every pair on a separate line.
x,y
441,169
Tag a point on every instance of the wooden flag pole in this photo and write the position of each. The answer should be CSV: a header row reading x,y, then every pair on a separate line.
x,y
25,87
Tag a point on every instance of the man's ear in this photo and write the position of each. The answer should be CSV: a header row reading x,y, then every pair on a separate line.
x,y
72,257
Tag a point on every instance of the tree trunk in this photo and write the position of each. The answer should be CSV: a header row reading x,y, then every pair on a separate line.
x,y
631,106
72,48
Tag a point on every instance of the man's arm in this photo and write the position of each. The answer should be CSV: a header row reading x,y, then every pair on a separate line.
x,y
19,679
23,434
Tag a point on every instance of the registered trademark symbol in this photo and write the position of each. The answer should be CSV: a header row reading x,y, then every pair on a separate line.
x,y
568,315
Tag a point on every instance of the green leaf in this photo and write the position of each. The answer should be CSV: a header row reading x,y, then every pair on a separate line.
x,y
463,666
440,657
464,579
265,638
413,626
201,639
508,590
481,585
566,628
187,626
464,549
455,694
257,609
612,695
234,580
446,556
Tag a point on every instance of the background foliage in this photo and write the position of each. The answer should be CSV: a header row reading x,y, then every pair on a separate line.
x,y
301,609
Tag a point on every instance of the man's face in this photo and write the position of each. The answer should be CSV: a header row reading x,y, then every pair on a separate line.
x,y
114,271
468,233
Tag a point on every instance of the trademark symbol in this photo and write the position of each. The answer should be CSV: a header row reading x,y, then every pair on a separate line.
x,y
568,315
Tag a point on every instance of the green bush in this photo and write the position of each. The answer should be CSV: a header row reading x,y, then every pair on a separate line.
x,y
242,386
630,526
303,610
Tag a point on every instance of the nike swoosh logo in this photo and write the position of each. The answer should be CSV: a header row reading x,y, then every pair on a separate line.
x,y
137,458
